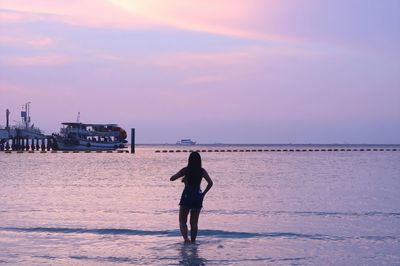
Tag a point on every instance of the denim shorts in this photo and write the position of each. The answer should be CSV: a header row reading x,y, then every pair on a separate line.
x,y
192,198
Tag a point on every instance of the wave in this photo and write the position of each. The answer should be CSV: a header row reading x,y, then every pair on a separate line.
x,y
305,213
203,233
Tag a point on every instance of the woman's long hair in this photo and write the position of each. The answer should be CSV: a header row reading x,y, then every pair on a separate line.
x,y
194,171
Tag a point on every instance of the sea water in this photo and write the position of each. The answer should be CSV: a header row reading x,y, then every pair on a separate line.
x,y
281,208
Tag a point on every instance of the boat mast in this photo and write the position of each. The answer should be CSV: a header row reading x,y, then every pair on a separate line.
x,y
26,119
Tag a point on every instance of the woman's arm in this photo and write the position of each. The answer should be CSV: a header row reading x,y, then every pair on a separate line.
x,y
209,182
178,175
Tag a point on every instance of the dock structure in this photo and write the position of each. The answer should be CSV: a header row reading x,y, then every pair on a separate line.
x,y
24,137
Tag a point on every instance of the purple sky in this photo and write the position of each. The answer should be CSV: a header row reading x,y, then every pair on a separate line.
x,y
227,71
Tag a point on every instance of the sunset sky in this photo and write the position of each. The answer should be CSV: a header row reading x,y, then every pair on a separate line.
x,y
254,71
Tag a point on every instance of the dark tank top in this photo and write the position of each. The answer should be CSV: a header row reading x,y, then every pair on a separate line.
x,y
193,180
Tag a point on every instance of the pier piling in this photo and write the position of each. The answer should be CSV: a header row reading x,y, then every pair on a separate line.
x,y
132,140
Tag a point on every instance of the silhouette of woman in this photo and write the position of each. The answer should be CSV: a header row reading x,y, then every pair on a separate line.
x,y
192,197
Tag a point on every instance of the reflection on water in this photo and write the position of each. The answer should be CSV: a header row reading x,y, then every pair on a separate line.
x,y
189,255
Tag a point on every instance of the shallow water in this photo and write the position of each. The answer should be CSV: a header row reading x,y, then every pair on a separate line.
x,y
265,208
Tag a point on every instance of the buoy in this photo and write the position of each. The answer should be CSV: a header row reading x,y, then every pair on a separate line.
x,y
157,151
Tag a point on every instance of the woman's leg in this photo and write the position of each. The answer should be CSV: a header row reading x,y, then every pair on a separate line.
x,y
194,220
183,214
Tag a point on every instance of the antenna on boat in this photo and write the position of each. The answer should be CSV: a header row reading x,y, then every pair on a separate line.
x,y
26,119
78,117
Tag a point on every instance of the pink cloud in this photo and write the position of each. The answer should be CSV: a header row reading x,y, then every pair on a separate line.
x,y
224,17
18,17
47,60
40,42
203,79
233,57
33,42
89,13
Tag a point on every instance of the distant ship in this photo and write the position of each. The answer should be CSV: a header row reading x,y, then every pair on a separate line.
x,y
186,142
89,137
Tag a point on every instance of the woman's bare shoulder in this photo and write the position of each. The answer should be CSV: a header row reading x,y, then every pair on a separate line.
x,y
204,171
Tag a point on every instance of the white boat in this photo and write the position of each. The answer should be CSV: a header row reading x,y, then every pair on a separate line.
x,y
23,129
89,137
186,142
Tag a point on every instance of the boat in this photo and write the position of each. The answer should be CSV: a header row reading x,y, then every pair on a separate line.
x,y
24,129
186,142
78,136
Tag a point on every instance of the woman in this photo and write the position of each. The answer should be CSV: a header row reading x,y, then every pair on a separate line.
x,y
192,197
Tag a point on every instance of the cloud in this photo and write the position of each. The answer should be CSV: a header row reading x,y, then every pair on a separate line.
x,y
37,42
87,13
203,79
236,56
18,17
224,17
45,60
40,42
